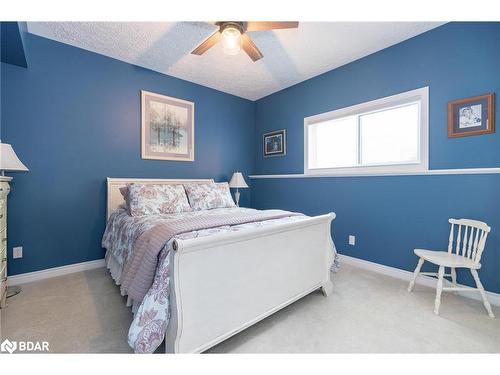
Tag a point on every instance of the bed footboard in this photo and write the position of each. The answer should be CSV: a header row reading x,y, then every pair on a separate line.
x,y
224,283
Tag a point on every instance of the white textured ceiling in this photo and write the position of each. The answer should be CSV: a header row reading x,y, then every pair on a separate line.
x,y
290,56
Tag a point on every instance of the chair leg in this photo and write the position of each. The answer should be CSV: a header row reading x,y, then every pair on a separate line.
x,y
453,277
415,274
439,289
486,304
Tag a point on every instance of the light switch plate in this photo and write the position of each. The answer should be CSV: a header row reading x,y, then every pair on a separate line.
x,y
17,252
352,240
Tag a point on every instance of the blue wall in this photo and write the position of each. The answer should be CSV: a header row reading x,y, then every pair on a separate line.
x,y
73,118
11,44
392,215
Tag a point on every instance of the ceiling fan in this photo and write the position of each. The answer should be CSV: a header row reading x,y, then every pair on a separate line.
x,y
233,36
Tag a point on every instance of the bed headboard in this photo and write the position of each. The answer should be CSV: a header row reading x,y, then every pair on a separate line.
x,y
115,198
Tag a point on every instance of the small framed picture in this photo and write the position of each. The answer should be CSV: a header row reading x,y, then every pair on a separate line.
x,y
471,116
275,143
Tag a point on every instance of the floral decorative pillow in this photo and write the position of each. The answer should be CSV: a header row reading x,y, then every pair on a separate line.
x,y
226,197
156,199
204,196
124,193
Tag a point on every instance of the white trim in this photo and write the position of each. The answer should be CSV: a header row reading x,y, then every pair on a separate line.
x,y
29,277
420,96
397,273
430,172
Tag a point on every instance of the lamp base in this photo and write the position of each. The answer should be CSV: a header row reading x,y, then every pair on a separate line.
x,y
237,197
13,291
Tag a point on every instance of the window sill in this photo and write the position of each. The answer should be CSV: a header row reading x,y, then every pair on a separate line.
x,y
430,172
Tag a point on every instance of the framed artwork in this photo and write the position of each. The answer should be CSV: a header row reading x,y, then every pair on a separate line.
x,y
275,143
167,127
471,116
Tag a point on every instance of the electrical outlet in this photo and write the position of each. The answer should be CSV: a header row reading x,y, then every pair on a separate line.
x,y
352,240
17,252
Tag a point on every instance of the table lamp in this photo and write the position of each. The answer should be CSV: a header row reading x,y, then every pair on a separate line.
x,y
237,182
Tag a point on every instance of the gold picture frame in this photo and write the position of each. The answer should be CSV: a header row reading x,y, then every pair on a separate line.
x,y
471,116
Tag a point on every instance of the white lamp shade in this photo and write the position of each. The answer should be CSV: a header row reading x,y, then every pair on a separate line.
x,y
237,181
9,160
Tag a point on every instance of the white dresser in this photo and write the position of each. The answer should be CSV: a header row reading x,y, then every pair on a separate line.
x,y
4,191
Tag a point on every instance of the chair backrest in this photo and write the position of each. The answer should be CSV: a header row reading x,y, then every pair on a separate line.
x,y
470,238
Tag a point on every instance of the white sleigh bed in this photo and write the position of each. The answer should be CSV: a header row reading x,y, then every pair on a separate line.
x,y
224,283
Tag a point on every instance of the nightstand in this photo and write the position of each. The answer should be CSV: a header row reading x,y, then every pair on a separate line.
x,y
4,191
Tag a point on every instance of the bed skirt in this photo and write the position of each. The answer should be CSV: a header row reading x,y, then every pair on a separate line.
x,y
116,270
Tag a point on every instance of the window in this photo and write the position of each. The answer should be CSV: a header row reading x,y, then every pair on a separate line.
x,y
388,135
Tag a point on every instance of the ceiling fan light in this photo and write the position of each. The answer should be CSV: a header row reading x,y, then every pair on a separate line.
x,y
231,40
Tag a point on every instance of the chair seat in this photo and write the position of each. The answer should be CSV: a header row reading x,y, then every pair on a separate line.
x,y
443,258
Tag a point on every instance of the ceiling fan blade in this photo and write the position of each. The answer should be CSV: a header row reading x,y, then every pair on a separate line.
x,y
250,48
207,44
258,25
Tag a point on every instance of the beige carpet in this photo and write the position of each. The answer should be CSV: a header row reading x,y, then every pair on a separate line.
x,y
84,312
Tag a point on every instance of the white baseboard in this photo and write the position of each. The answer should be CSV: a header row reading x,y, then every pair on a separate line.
x,y
29,277
397,273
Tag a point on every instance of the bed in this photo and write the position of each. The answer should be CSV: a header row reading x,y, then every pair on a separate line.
x,y
211,284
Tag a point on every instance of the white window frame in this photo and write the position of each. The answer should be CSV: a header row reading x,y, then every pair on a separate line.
x,y
420,95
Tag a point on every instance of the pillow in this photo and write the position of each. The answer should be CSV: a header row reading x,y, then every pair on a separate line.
x,y
227,198
156,199
205,196
124,193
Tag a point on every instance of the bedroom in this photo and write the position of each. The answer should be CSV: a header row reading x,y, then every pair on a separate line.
x,y
100,118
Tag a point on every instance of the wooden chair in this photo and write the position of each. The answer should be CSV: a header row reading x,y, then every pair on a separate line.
x,y
469,245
